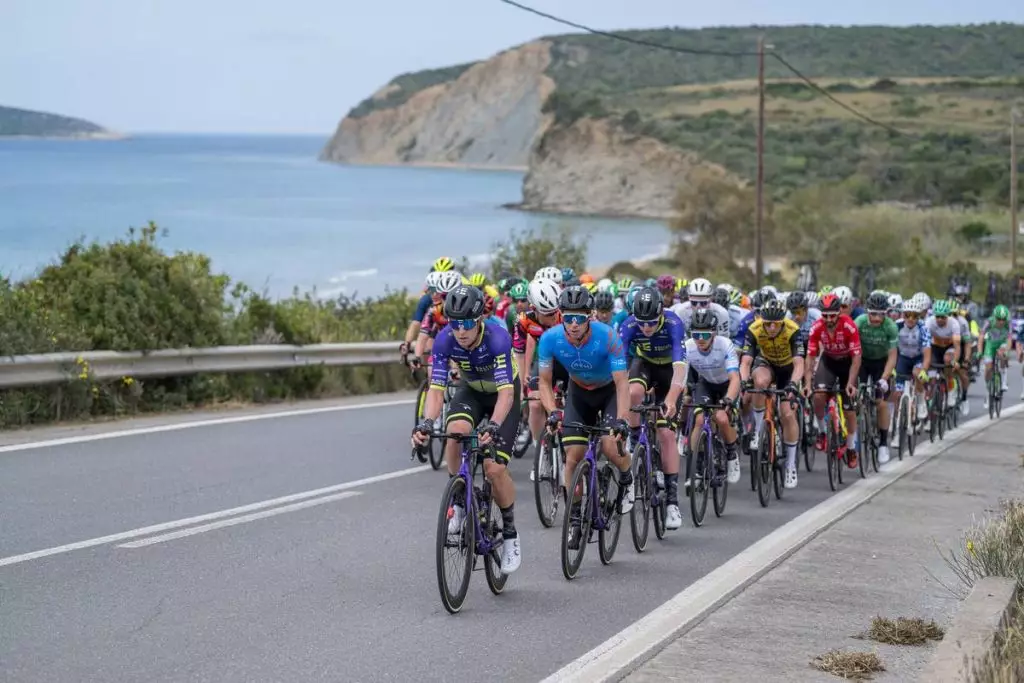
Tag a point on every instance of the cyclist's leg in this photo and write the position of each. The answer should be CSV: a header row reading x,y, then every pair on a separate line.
x,y
578,408
639,383
502,486
661,377
606,397
842,368
717,392
782,376
823,379
761,375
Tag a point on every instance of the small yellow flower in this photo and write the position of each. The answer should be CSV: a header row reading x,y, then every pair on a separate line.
x,y
128,381
83,375
970,547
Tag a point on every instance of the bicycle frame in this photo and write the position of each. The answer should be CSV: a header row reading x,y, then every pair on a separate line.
x,y
472,457
594,435
708,410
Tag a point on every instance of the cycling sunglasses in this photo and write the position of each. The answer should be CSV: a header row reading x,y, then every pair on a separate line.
x,y
648,323
575,318
463,324
700,302
702,335
830,316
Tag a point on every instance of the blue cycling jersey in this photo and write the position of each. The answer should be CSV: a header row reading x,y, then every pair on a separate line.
x,y
619,317
421,308
664,346
912,340
741,331
857,312
590,365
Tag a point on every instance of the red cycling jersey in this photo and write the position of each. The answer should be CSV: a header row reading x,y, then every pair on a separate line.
x,y
844,342
527,324
434,321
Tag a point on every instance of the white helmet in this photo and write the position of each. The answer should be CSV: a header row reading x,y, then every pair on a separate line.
x,y
813,300
895,302
926,301
770,290
432,278
543,294
448,280
914,304
604,284
549,273
782,296
727,287
844,294
699,287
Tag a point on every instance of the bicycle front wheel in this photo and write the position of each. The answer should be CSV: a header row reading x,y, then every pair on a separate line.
x,y
453,576
697,470
546,480
640,515
608,536
763,468
572,558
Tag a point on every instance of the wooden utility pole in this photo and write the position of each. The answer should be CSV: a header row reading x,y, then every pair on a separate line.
x,y
759,222
1014,113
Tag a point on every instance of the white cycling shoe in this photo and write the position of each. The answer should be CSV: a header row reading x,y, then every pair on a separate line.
x,y
673,518
511,555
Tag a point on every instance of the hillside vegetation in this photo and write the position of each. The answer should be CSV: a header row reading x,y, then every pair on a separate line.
x,y
948,88
24,122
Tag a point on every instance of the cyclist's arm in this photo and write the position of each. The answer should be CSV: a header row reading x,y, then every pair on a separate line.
x,y
545,374
956,347
678,365
894,343
733,368
421,341
503,380
620,374
812,353
531,349
926,358
749,349
438,376
796,347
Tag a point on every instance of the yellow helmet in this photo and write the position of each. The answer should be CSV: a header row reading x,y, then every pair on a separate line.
x,y
443,264
491,291
478,280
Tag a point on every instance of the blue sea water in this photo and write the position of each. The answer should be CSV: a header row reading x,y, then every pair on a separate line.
x,y
268,213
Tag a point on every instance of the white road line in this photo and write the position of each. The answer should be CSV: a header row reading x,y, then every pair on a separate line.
x,y
177,426
177,524
628,649
191,531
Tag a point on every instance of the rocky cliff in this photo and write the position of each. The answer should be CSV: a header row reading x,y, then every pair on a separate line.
x,y
489,116
595,167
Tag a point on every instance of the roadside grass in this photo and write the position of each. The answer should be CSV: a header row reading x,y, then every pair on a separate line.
x,y
850,666
904,631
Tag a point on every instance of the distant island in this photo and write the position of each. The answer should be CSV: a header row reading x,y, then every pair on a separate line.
x,y
26,123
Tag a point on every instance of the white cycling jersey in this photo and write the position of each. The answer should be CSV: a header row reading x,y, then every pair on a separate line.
x,y
685,312
736,314
942,335
715,365
965,329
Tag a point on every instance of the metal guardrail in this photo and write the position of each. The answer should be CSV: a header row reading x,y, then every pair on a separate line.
x,y
55,368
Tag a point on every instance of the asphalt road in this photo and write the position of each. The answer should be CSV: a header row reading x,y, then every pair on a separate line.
x,y
339,586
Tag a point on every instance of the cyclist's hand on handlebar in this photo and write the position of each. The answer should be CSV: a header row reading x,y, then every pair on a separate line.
x,y
747,384
415,362
554,419
883,386
487,434
851,388
807,389
667,411
792,389
620,428
403,348
421,433
923,376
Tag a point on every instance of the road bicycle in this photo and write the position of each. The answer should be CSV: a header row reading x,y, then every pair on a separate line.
x,y
548,469
706,465
835,434
648,478
433,449
770,471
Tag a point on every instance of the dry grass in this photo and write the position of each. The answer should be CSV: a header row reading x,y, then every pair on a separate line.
x,y
993,547
1005,664
904,631
851,666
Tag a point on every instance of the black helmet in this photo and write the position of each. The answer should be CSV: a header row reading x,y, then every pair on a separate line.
x,y
757,300
796,300
703,320
575,298
604,301
572,282
721,297
878,302
773,310
647,304
465,302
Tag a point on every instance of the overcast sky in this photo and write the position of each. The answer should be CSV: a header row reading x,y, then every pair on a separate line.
x,y
299,65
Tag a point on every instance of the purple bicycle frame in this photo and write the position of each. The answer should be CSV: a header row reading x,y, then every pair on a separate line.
x,y
470,447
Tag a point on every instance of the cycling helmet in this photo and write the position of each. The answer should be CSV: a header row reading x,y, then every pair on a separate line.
x,y
830,303
443,264
666,282
773,310
827,289
549,273
941,308
604,284
757,300
845,295
647,304
519,292
813,300
590,287
433,277
604,301
704,320
491,291
630,295
721,297
727,287
572,282
575,299
465,302
770,290
613,289
925,299
681,284
543,294
796,300
914,305
586,278
568,274
699,287
735,297
1001,312
877,302
478,280
895,302
625,283
448,280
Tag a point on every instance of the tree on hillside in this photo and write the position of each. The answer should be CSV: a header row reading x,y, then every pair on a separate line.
x,y
524,252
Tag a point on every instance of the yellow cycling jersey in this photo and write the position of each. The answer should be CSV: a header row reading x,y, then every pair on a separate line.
x,y
780,349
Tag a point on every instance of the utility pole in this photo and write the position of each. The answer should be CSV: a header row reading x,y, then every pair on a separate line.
x,y
1014,113
759,221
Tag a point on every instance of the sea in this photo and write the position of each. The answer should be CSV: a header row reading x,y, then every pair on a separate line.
x,y
269,214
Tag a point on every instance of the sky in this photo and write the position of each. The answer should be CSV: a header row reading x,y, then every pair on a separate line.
x,y
297,66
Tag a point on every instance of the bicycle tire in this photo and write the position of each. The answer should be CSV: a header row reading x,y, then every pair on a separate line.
x,y
608,537
764,466
698,510
454,490
992,395
902,421
496,579
720,493
420,404
831,459
640,515
580,478
548,513
810,448
941,414
778,481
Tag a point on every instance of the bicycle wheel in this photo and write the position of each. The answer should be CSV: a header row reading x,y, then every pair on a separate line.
x,y
940,414
546,483
992,396
496,580
453,593
696,472
809,435
608,537
778,482
420,404
831,459
753,456
720,488
572,558
764,465
659,505
902,424
640,515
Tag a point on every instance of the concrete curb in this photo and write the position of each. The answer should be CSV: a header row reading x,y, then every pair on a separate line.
x,y
972,636
629,649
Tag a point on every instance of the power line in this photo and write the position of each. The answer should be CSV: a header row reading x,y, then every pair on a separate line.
x,y
715,53
627,39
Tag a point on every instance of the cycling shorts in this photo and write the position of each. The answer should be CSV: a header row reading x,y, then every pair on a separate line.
x,y
781,374
587,406
472,406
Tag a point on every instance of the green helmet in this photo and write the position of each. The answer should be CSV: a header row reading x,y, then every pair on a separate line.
x,y
519,291
1001,312
613,289
625,283
824,290
941,308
